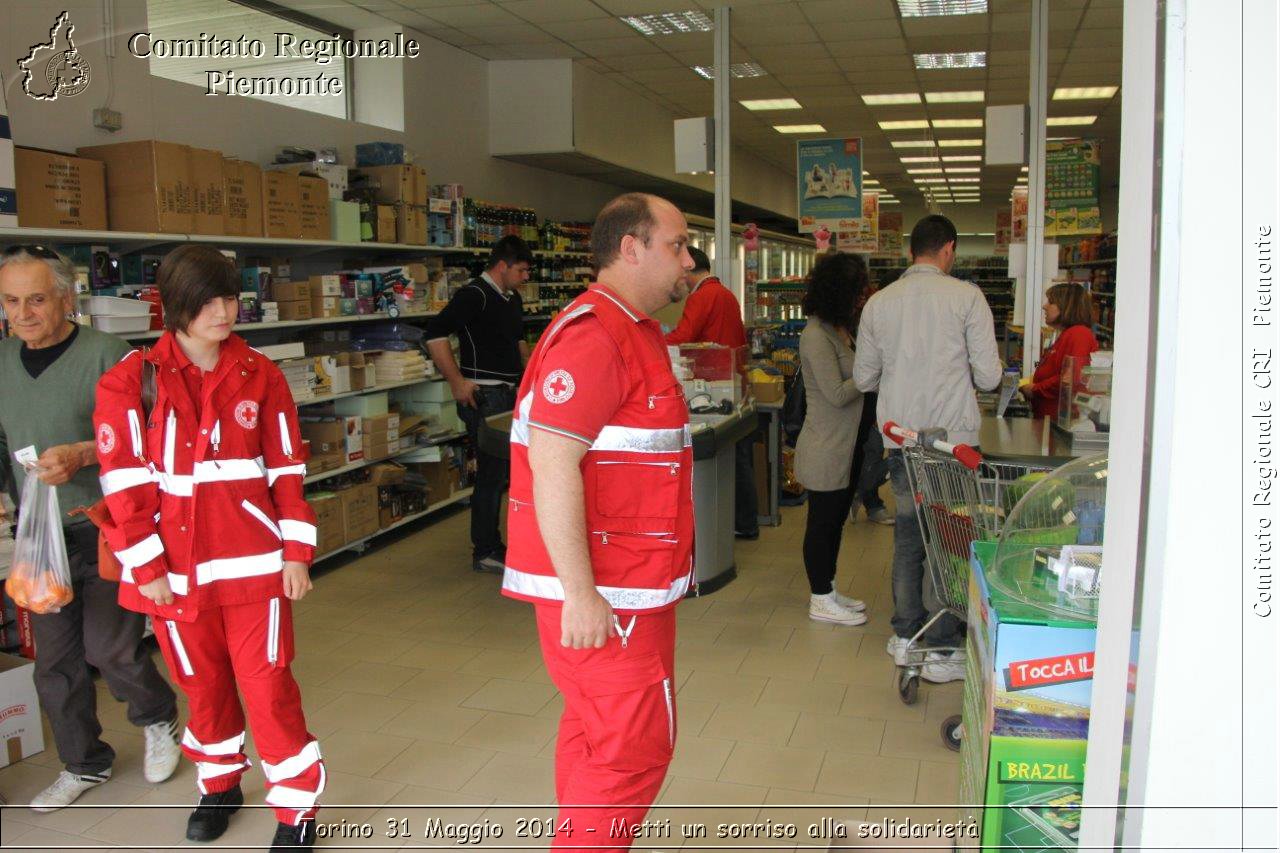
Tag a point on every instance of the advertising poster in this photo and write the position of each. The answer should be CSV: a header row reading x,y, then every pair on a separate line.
x,y
865,238
1004,231
890,242
828,184
8,178
1018,231
1071,181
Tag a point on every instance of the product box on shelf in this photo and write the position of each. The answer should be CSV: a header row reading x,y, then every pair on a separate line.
x,y
345,371
769,390
330,530
291,291
387,425
385,230
256,280
313,208
296,309
379,153
411,225
20,727
386,474
340,435
401,184
363,406
438,477
344,221
319,463
359,511
375,450
149,186
243,187
326,306
59,191
208,182
326,285
333,174
281,200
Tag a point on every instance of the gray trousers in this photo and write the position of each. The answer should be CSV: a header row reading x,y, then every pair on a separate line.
x,y
93,630
913,596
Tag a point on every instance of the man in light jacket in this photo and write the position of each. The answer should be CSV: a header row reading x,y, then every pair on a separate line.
x,y
925,342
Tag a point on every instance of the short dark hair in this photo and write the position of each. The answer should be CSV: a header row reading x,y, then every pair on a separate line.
x,y
189,277
931,234
511,250
628,214
834,286
1075,308
700,259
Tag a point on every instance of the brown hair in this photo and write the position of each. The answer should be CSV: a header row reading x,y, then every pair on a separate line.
x,y
630,213
190,276
1075,308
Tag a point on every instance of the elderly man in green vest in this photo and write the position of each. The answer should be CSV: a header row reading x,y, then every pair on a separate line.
x,y
49,368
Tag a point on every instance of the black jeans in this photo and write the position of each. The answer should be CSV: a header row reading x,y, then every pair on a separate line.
x,y
870,468
493,473
746,503
93,629
823,530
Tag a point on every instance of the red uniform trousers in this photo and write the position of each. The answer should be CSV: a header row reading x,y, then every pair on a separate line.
x,y
248,646
618,730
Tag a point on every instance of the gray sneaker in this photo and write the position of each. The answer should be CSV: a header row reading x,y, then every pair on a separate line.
x,y
66,789
881,515
491,565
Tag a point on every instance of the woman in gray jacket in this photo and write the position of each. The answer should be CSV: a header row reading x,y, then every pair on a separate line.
x,y
833,409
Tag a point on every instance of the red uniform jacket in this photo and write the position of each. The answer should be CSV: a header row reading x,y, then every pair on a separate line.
x,y
1077,341
711,314
208,491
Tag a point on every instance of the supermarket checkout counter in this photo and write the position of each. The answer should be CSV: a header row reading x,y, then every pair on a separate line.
x,y
715,437
1032,442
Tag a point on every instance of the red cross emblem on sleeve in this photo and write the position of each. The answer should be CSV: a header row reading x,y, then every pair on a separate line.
x,y
558,387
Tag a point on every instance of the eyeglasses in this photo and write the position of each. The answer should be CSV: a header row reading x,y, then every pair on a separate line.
x,y
31,249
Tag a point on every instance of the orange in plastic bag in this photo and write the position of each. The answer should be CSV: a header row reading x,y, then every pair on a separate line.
x,y
40,579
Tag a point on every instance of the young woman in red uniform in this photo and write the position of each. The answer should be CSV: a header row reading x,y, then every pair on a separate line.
x,y
1068,309
215,539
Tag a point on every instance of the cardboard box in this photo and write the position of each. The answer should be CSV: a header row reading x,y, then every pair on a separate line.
x,y
330,532
59,191
326,306
297,309
344,221
411,225
313,208
339,436
291,291
388,424
345,371
359,511
20,729
326,285
242,182
772,391
149,185
364,406
379,451
333,174
402,184
438,477
281,197
385,232
209,216
386,474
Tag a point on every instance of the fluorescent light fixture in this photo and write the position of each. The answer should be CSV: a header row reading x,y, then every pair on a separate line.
x,y
930,180
965,200
969,59
963,158
974,97
919,159
963,170
1025,169
670,23
912,143
1067,121
959,143
799,128
965,180
885,100
935,8
885,200
931,171
771,104
941,123
737,69
1084,93
1021,181
909,124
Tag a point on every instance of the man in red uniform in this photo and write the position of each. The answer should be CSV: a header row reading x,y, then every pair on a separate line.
x,y
600,521
712,315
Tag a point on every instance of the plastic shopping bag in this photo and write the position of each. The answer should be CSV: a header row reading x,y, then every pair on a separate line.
x,y
40,579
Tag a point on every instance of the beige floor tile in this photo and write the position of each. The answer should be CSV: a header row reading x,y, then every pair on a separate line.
x,y
512,697
503,663
880,703
37,839
831,640
361,753
811,813
315,670
440,688
738,612
95,806
514,779
865,670
553,709
767,726
938,783
691,610
331,617
774,766
11,831
699,757
363,712
813,697
375,648
921,741
691,803
433,765
358,794
514,733
431,722
412,807
800,666
709,658
688,633
723,689
874,777
754,637
367,677
899,814
838,734
692,714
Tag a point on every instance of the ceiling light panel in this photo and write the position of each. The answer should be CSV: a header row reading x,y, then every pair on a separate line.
x,y
965,200
740,70
946,123
799,128
1068,121
955,97
1084,93
670,23
912,143
936,8
886,100
771,104
959,143
909,124
965,180
930,180
933,61
884,200
927,171
962,170
962,158
919,159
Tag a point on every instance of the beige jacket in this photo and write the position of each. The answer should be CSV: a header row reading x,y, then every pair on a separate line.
x,y
833,409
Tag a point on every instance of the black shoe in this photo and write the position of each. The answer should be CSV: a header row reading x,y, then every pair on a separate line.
x,y
750,537
290,837
209,820
493,565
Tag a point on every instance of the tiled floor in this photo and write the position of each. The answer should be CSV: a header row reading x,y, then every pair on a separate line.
x,y
425,687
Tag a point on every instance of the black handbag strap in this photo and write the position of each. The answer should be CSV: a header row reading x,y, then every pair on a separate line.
x,y
148,386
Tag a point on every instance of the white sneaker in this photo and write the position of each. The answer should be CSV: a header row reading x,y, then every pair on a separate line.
x,y
162,752
941,667
66,789
824,608
848,603
897,649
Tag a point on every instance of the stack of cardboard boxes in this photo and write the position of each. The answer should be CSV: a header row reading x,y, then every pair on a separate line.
x,y
292,299
399,194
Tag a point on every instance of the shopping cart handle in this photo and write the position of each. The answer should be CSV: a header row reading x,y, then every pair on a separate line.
x,y
899,434
967,456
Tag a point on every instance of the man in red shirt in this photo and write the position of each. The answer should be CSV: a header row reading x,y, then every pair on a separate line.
x,y
712,315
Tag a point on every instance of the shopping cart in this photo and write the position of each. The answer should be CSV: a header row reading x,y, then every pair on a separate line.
x,y
960,498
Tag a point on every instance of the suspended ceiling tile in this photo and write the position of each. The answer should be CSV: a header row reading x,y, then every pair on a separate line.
x,y
642,7
766,13
408,18
547,11
654,60
947,44
869,47
596,28
789,78
1099,38
489,51
956,78
661,78
685,41
1063,18
706,55
813,65
857,30
752,34
1104,18
546,50
448,35
595,65
946,25
780,54
1009,56
1011,22
820,11
606,48
473,16
997,73
509,34
846,98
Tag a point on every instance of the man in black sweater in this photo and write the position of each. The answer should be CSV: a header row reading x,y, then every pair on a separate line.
x,y
488,317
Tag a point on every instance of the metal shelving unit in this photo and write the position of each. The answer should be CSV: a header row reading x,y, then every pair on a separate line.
x,y
290,324
364,463
360,544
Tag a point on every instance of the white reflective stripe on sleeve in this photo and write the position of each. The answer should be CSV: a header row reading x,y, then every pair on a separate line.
x,y
640,440
177,583
124,478
179,649
170,439
274,474
135,432
141,553
293,766
222,470
239,567
620,598
257,513
273,633
230,746
291,798
298,531
520,424
286,443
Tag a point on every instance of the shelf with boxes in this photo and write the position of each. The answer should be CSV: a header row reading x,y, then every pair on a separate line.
x,y
359,543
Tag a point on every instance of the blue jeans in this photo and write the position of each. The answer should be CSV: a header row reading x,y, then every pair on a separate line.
x,y
909,613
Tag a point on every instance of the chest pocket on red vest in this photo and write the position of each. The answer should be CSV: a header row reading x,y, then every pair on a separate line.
x,y
638,489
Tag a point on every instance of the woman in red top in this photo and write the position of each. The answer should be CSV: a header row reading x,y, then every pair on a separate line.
x,y
1067,308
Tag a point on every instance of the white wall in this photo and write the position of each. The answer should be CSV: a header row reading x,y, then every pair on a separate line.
x,y
446,113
